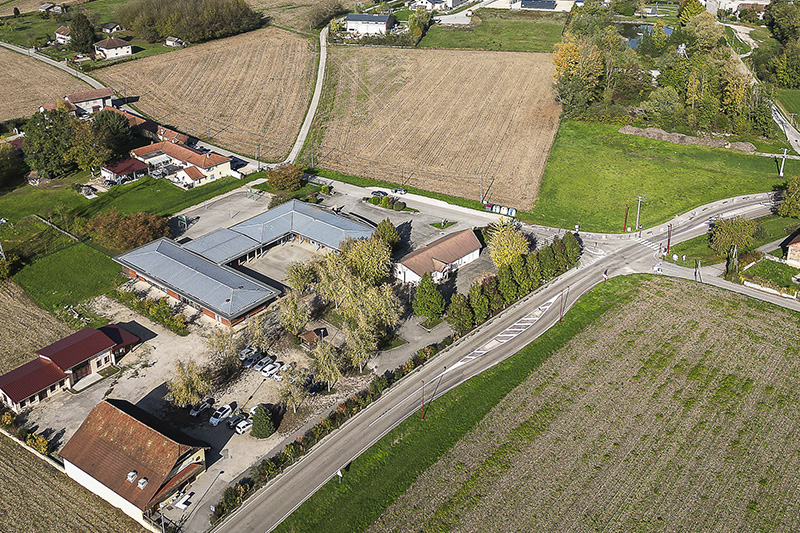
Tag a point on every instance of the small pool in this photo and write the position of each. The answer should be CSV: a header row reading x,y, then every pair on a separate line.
x,y
634,32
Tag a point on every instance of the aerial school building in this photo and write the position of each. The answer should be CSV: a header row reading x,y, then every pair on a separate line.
x,y
202,272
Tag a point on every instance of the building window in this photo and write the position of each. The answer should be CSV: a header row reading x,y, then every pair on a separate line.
x,y
106,359
61,383
22,403
52,388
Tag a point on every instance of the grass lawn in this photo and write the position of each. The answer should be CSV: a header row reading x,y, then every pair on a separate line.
x,y
774,274
69,277
402,15
773,228
405,452
734,42
27,200
439,225
494,29
790,101
305,190
593,171
30,239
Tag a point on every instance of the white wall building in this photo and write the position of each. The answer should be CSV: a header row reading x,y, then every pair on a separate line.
x,y
365,24
439,258
113,48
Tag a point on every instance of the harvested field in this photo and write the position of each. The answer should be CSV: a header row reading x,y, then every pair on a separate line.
x,y
291,13
27,83
36,498
244,90
439,120
675,412
26,327
25,6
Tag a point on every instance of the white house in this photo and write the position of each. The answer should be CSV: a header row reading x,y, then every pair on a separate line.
x,y
174,41
532,4
50,8
431,5
131,459
91,101
183,165
439,258
113,48
62,35
365,24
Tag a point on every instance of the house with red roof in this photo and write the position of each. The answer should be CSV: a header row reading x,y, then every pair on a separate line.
x,y
123,170
64,363
439,258
131,459
184,165
90,101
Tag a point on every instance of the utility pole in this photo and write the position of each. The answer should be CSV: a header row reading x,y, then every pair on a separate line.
x,y
669,237
481,199
639,209
791,118
783,162
423,399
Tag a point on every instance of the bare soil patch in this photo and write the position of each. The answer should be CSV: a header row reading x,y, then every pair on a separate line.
x,y
248,93
677,412
25,327
35,497
679,138
27,83
440,120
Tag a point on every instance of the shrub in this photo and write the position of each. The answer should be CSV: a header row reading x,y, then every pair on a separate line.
x,y
280,198
399,206
7,419
326,189
378,385
262,423
38,443
322,12
374,200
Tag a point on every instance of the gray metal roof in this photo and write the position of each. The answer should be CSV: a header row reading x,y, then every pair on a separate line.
x,y
222,245
366,17
218,288
303,219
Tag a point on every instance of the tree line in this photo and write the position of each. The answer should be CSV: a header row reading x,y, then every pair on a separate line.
x,y
190,20
778,62
697,87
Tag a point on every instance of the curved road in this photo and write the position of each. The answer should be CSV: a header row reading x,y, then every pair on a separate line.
x,y
483,348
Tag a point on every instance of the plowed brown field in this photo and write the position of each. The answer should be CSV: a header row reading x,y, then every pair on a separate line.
x,y
27,83
439,120
291,13
26,6
676,412
25,327
36,498
244,90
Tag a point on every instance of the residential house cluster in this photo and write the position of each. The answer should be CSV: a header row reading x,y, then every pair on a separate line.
x,y
185,166
61,365
109,48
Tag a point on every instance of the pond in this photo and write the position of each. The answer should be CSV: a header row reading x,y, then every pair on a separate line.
x,y
634,32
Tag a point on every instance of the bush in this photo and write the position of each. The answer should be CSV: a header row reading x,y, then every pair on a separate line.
x,y
124,232
262,423
399,206
326,189
285,178
374,200
38,443
280,198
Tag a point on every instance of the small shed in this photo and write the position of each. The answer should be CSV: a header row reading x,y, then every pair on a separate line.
x,y
111,27
174,41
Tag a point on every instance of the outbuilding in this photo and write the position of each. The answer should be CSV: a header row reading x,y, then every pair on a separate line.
x,y
123,170
366,24
90,101
439,258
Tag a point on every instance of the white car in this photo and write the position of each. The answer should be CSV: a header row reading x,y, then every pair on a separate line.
x,y
221,414
255,408
262,363
277,376
271,369
247,352
243,426
200,407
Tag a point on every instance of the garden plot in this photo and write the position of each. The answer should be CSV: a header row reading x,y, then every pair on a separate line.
x,y
27,83
678,412
248,93
440,120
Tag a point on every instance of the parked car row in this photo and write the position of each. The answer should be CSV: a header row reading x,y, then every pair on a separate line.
x,y
265,364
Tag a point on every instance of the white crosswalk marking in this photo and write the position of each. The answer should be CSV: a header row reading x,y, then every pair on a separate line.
x,y
649,244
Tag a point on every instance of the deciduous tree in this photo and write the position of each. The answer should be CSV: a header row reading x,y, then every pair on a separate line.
x,y
361,344
369,259
428,301
790,206
479,302
301,276
294,313
387,233
262,423
189,384
506,285
459,314
123,232
286,177
688,9
506,242
326,364
113,129
11,165
89,150
48,139
293,390
736,231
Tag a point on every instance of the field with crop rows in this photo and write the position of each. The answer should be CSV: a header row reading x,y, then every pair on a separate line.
x,y
675,412
26,327
25,6
439,120
238,92
27,83
35,498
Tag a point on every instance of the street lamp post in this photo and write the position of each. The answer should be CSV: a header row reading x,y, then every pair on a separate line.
x,y
639,209
423,399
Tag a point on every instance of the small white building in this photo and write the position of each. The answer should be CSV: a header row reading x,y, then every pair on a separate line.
x,y
113,48
365,24
174,42
431,5
439,258
91,101
111,27
50,8
532,4
62,35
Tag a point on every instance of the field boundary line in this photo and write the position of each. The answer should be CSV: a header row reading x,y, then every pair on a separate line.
x,y
294,153
65,232
49,460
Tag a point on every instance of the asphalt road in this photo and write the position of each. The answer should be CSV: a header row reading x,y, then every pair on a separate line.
x,y
481,349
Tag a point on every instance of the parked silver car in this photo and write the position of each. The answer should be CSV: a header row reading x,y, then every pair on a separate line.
x,y
221,414
262,363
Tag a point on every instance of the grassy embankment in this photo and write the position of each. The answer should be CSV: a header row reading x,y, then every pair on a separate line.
x,y
503,30
405,452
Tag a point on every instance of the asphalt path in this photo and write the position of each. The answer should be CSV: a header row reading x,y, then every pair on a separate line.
x,y
478,351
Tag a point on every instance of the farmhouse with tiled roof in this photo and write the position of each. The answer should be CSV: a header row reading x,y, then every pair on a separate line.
x,y
62,35
113,48
439,258
172,159
131,459
91,101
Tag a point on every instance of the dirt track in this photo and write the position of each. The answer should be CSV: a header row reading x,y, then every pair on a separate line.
x,y
677,412
439,120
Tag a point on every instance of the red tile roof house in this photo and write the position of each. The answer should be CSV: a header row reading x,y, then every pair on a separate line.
x,y
123,169
64,363
91,101
152,130
440,257
62,35
183,165
113,48
131,459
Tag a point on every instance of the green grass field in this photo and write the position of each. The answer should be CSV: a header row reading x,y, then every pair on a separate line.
x,y
777,274
790,101
494,29
734,42
593,171
69,277
404,453
772,228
